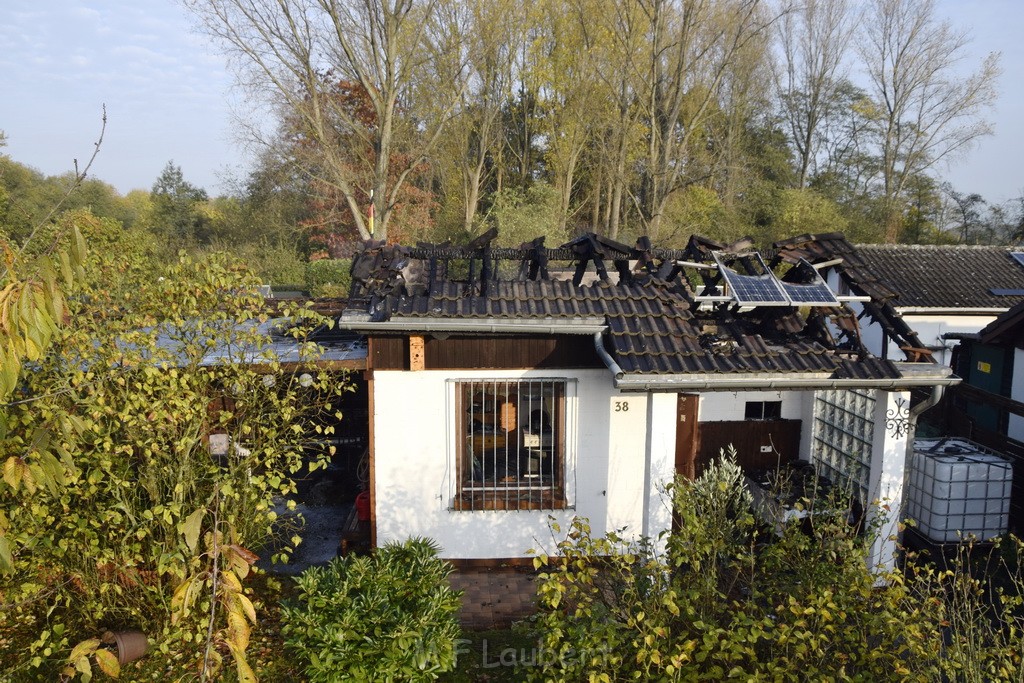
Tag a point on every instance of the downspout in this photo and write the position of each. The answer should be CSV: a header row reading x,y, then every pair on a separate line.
x,y
606,357
914,413
936,396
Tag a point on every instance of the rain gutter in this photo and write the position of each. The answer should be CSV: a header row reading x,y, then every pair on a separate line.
x,y
915,412
482,325
602,352
924,310
683,383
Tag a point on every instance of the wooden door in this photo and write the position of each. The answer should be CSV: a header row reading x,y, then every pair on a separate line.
x,y
687,436
759,444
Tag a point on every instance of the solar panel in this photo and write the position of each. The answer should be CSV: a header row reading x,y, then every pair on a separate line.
x,y
767,290
753,290
816,293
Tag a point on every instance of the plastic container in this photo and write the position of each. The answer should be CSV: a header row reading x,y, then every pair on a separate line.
x,y
958,489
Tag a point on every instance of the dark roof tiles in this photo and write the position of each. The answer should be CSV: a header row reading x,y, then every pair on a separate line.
x,y
651,327
946,276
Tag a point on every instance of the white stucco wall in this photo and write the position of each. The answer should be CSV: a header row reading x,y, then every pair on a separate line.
x,y
617,463
929,329
888,473
725,406
1016,425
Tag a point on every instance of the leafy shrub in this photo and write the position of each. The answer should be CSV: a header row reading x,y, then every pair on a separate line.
x,y
329,277
115,512
273,265
391,616
726,598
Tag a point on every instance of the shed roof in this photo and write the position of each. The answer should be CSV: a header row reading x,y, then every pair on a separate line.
x,y
1007,329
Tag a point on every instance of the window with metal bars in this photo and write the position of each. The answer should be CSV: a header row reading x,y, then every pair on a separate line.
x,y
511,445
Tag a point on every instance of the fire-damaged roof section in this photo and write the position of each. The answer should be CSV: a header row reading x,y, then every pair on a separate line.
x,y
948,276
860,277
650,325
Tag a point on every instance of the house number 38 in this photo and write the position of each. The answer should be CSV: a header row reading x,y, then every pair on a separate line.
x,y
622,406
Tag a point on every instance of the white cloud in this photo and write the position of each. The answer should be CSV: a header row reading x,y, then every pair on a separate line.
x,y
86,13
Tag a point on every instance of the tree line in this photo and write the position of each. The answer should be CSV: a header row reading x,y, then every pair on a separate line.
x,y
644,117
639,117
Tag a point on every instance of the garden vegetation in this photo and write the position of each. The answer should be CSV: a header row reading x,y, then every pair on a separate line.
x,y
115,511
725,598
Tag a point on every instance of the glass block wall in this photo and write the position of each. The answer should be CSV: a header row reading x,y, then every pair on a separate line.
x,y
843,433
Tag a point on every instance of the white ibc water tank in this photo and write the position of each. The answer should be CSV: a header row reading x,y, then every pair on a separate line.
x,y
958,488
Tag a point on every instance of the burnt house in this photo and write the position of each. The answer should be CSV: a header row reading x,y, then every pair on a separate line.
x,y
940,291
501,395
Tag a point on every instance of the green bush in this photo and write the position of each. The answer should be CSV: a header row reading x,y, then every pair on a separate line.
x,y
388,617
275,265
329,277
727,598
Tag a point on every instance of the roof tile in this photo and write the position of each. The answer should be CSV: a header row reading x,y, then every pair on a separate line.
x,y
651,327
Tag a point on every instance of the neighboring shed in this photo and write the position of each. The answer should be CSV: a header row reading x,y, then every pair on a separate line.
x,y
944,289
989,406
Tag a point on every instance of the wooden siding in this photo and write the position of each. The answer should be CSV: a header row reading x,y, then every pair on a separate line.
x,y
782,437
487,353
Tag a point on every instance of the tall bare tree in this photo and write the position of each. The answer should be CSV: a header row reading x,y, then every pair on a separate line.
x,y
394,54
926,112
573,100
617,45
813,42
692,48
475,137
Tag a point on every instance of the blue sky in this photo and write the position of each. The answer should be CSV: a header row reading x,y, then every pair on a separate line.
x,y
169,94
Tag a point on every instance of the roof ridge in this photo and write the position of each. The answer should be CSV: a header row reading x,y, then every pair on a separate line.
x,y
896,247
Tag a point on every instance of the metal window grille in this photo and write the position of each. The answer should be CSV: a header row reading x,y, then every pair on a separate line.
x,y
510,444
843,434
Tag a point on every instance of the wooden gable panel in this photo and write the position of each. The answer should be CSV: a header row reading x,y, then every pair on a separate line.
x,y
511,352
467,353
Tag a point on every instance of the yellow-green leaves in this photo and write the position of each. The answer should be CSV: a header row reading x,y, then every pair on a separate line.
x,y
191,528
111,501
240,559
6,559
78,660
32,308
107,661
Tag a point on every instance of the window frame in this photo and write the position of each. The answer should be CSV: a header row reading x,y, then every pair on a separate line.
x,y
513,446
776,410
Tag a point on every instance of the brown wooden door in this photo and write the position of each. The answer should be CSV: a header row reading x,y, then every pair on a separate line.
x,y
687,436
759,444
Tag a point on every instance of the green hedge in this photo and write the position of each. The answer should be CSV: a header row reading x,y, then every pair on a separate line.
x,y
389,617
328,277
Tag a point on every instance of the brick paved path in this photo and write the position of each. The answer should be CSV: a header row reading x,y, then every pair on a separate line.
x,y
494,598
